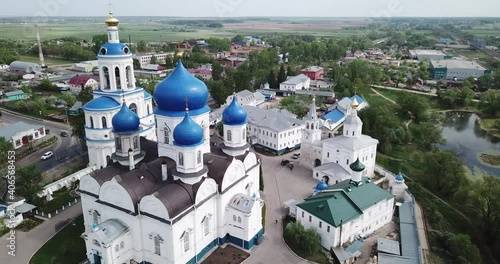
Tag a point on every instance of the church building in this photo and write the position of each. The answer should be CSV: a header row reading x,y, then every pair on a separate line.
x,y
330,159
173,200
116,86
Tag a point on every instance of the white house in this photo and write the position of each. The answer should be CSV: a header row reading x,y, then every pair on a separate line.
x,y
20,133
276,129
292,84
336,116
77,83
246,97
173,200
346,211
145,58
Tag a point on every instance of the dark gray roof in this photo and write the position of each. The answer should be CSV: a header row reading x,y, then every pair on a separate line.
x,y
146,178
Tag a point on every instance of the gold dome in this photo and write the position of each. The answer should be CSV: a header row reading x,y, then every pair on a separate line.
x,y
180,54
111,21
354,103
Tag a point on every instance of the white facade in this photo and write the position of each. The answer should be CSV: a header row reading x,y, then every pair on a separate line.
x,y
145,59
330,159
21,134
300,82
369,221
117,82
274,129
246,97
77,88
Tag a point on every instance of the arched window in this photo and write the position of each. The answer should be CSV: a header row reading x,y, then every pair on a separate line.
x,y
239,219
133,107
106,77
149,109
117,78
206,226
203,126
186,241
104,123
307,125
353,133
136,142
96,243
95,216
244,134
234,218
91,122
117,247
118,144
130,77
228,135
198,158
181,159
166,135
157,246
122,245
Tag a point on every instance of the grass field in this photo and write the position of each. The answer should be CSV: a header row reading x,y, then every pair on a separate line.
x,y
48,61
64,248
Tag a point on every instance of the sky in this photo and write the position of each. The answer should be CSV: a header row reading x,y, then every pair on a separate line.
x,y
261,8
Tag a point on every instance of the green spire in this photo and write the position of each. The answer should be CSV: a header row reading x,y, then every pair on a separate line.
x,y
357,166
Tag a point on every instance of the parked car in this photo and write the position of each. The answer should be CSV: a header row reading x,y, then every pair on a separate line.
x,y
296,155
64,134
47,155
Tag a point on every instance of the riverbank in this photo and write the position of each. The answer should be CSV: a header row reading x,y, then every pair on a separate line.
x,y
488,126
492,160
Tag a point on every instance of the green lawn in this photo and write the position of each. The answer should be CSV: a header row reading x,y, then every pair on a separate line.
x,y
48,61
64,248
61,198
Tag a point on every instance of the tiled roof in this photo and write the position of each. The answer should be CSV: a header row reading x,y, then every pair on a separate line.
x,y
80,80
337,205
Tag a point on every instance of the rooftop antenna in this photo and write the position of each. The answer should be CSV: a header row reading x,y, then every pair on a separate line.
x,y
39,43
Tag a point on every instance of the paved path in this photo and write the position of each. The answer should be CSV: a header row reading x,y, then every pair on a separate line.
x,y
27,244
422,234
404,90
280,185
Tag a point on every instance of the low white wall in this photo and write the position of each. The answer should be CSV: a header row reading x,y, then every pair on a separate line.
x,y
66,181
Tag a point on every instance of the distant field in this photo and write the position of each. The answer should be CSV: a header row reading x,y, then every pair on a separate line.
x,y
156,31
48,61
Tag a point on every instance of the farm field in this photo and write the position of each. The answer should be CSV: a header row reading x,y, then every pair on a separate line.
x,y
48,61
167,31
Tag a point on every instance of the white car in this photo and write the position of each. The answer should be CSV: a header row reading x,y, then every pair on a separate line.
x,y
296,155
47,155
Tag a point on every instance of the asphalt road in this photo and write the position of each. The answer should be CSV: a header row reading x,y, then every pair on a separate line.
x,y
64,149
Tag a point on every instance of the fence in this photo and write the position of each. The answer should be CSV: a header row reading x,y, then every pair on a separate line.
x,y
50,215
50,188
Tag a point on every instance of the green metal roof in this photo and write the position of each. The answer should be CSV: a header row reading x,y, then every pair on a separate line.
x,y
357,166
337,204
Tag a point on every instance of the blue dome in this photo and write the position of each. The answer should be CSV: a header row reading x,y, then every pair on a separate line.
x,y
114,49
171,93
125,120
321,186
399,177
101,104
234,114
188,132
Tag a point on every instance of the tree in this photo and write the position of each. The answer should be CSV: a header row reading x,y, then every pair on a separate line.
x,y
154,60
29,182
445,173
218,91
77,123
415,104
218,44
46,85
217,70
461,246
483,200
98,41
426,135
486,82
271,79
290,71
282,74
305,240
5,147
142,46
238,38
490,102
69,99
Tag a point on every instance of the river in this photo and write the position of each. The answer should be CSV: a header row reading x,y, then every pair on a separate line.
x,y
465,138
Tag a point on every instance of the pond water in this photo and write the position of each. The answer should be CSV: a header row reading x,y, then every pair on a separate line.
x,y
465,138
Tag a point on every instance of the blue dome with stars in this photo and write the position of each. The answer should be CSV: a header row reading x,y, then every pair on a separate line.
x,y
171,93
114,49
188,133
234,114
321,186
125,120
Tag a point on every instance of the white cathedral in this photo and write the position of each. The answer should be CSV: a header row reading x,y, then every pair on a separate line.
x,y
173,200
331,158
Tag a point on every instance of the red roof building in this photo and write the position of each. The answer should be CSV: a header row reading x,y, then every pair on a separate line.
x,y
78,82
313,72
